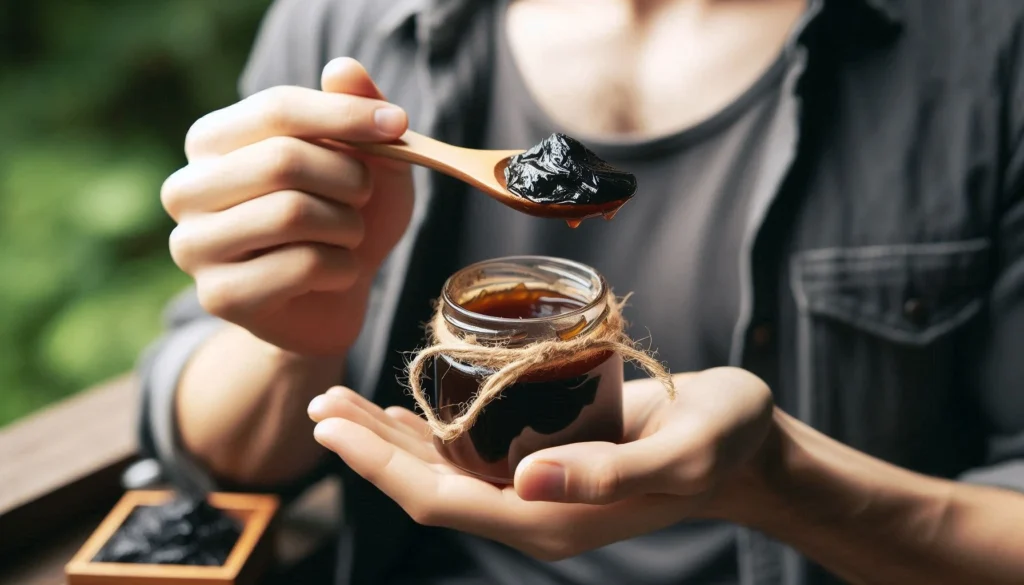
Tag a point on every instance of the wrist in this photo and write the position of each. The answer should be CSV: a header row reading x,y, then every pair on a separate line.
x,y
314,373
241,405
793,475
801,478
760,484
288,359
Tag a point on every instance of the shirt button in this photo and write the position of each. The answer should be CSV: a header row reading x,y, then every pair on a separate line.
x,y
915,311
761,336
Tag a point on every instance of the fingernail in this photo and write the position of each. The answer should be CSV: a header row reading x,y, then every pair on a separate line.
x,y
337,391
327,430
340,64
317,406
545,481
320,432
390,121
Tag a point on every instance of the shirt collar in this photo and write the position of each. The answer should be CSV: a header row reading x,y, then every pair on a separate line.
x,y
890,11
873,18
436,22
402,16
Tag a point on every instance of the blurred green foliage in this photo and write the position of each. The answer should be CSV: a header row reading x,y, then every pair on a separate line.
x,y
95,100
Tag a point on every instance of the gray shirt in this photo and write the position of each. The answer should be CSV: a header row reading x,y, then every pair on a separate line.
x,y
883,253
676,248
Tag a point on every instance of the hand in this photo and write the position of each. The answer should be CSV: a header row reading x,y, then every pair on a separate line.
x,y
282,234
686,458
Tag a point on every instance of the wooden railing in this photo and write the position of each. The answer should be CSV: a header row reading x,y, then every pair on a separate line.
x,y
60,472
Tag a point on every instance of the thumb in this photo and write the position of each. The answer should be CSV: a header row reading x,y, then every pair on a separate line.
x,y
592,473
346,75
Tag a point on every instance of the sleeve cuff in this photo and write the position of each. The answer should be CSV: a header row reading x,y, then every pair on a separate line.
x,y
1007,475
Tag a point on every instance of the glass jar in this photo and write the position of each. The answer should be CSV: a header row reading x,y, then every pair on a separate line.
x,y
516,301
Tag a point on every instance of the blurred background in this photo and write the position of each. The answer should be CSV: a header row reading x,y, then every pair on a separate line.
x,y
95,100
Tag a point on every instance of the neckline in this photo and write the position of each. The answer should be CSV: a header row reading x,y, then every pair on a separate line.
x,y
624,147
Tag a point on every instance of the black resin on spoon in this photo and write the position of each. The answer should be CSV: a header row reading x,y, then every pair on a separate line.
x,y
561,171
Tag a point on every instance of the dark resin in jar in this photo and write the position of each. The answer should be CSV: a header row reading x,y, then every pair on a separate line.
x,y
570,402
560,170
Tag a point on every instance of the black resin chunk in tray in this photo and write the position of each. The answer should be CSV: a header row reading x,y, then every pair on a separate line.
x,y
184,531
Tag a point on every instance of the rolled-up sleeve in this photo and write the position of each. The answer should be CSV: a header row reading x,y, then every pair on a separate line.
x,y
999,373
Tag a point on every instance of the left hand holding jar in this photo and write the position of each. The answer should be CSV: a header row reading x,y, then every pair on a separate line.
x,y
691,457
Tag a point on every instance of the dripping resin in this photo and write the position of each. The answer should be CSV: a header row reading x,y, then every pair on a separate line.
x,y
522,300
561,171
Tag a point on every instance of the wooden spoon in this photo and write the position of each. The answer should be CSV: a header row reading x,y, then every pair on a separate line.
x,y
483,169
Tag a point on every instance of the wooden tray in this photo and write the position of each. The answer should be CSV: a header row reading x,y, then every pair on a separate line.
x,y
248,561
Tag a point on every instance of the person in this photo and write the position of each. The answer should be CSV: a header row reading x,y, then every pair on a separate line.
x,y
827,247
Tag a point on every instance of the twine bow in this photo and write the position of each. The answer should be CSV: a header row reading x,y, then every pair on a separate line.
x,y
508,363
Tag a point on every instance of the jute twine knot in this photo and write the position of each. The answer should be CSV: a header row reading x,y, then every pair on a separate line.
x,y
508,362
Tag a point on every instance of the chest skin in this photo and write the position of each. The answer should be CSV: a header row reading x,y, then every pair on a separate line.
x,y
644,69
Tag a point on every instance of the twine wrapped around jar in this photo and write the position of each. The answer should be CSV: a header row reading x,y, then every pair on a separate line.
x,y
509,362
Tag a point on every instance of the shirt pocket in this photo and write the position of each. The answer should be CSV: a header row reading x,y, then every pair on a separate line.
x,y
878,345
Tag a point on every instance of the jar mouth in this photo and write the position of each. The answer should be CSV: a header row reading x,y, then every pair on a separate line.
x,y
577,280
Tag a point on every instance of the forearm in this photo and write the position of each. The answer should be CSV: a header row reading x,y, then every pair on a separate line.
x,y
871,522
241,408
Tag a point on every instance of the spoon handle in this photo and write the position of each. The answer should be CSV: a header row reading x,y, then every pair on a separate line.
x,y
476,167
417,149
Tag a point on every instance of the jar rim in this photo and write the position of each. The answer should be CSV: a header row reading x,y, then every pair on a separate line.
x,y
591,273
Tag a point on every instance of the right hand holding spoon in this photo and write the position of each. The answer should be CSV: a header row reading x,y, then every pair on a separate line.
x,y
284,236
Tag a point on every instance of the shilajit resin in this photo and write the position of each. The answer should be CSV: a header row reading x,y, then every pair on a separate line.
x,y
184,531
518,301
561,171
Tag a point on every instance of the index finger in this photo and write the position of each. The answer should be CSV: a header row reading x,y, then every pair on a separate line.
x,y
297,112
429,495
